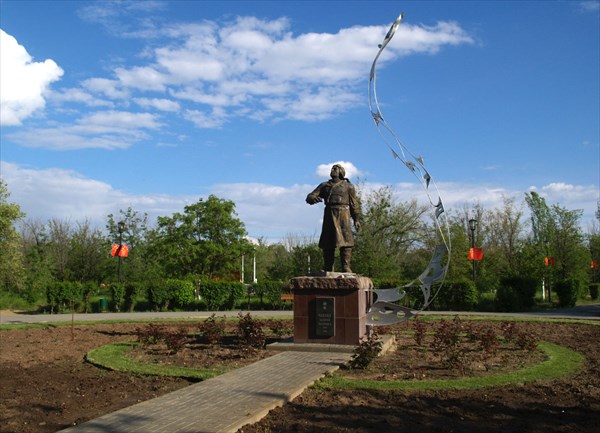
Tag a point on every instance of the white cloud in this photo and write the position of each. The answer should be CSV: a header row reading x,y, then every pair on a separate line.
x,y
65,194
570,196
103,130
259,69
270,211
24,82
215,119
158,103
79,96
109,88
212,73
323,170
589,6
142,78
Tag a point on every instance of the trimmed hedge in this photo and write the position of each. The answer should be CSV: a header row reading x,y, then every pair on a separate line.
x,y
460,295
272,290
222,294
181,291
568,292
60,294
516,293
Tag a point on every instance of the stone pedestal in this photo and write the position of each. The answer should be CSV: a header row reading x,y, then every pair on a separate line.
x,y
330,309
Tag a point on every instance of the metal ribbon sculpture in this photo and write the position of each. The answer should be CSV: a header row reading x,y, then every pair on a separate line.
x,y
384,311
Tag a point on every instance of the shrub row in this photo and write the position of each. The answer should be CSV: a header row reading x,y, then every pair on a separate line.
x,y
161,295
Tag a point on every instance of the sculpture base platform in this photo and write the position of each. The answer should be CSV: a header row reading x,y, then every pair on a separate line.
x,y
330,308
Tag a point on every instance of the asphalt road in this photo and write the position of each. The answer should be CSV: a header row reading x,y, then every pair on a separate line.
x,y
590,312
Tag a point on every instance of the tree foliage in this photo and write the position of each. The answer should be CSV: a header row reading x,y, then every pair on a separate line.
x,y
12,271
389,231
192,258
206,239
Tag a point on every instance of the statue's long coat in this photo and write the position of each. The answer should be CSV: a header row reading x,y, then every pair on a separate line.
x,y
341,204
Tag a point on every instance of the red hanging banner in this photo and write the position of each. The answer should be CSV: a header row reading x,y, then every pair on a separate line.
x,y
549,261
475,254
119,250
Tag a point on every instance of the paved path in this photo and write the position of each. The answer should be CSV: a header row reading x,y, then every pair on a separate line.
x,y
224,403
591,311
8,317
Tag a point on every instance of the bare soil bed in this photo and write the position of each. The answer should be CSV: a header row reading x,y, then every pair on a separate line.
x,y
570,404
46,385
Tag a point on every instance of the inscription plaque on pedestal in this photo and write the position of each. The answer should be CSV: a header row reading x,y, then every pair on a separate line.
x,y
324,317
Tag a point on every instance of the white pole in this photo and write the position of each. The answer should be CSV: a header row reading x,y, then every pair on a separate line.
x,y
242,274
254,269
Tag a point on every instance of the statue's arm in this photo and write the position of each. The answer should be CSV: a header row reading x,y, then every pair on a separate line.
x,y
315,196
355,210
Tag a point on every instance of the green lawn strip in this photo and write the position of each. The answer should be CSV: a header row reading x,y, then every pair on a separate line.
x,y
560,361
114,357
517,318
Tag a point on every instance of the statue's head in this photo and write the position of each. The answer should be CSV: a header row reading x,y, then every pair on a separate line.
x,y
338,171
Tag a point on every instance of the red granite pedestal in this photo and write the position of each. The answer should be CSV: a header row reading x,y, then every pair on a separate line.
x,y
330,309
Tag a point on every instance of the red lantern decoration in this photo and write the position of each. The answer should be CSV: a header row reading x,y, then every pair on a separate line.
x,y
119,250
549,261
594,264
475,254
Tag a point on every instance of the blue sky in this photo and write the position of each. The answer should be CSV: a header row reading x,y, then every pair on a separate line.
x,y
155,104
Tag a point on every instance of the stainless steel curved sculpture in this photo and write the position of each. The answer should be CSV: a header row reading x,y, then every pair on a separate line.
x,y
384,311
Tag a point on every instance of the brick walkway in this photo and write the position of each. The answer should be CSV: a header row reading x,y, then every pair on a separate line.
x,y
224,403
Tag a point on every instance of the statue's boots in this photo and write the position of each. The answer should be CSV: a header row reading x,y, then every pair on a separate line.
x,y
346,257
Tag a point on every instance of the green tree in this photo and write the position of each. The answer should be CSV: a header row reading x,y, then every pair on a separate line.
x,y
88,253
12,271
138,266
594,246
572,256
389,232
505,231
38,265
278,261
59,248
206,239
557,233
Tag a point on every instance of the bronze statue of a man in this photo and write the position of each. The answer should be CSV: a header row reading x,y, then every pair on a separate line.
x,y
341,205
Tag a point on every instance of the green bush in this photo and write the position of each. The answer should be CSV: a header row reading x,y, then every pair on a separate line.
x,y
117,292
132,291
60,294
594,291
158,295
213,294
568,292
460,295
250,333
235,293
516,293
369,348
88,289
272,290
222,294
181,291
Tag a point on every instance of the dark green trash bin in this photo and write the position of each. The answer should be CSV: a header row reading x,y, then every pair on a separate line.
x,y
103,305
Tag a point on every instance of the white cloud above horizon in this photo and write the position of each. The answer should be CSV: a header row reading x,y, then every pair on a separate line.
x,y
269,211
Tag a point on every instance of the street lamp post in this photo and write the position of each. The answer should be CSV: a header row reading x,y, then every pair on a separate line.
x,y
121,227
473,226
548,264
